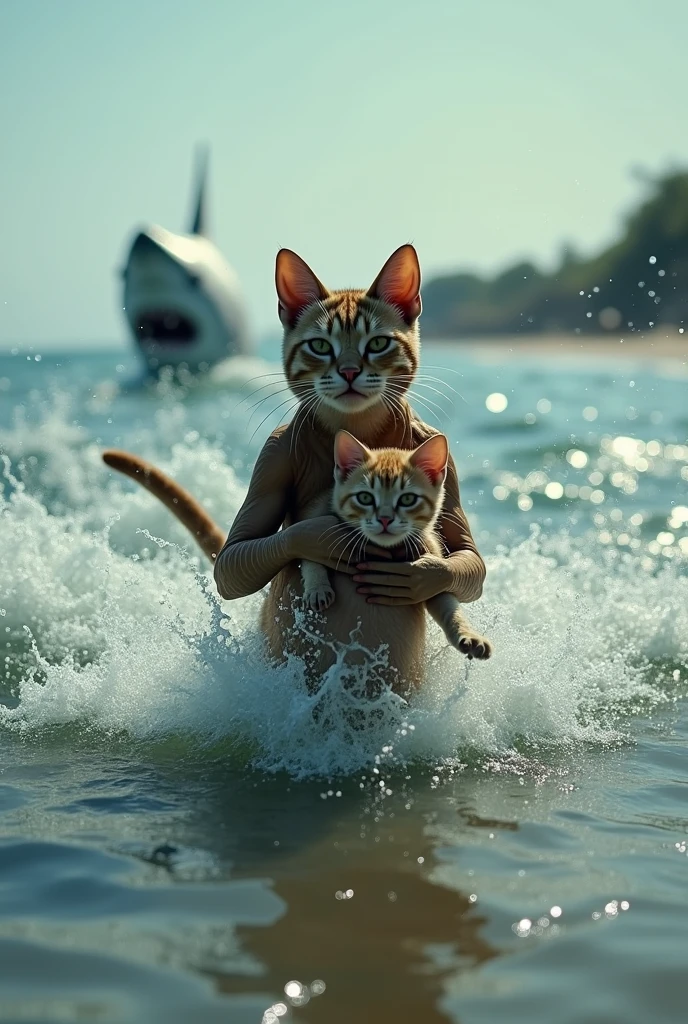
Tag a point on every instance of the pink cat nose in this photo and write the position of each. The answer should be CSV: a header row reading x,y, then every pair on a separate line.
x,y
349,373
385,520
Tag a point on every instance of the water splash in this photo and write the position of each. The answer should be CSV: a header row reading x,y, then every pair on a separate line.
x,y
111,624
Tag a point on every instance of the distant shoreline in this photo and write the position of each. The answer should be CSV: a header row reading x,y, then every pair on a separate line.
x,y
667,344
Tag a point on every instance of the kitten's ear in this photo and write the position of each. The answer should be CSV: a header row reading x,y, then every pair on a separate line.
x,y
431,457
297,286
348,452
399,283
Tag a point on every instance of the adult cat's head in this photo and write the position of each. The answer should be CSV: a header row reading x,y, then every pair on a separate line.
x,y
389,495
349,352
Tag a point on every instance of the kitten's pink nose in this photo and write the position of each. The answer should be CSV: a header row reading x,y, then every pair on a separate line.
x,y
385,520
349,373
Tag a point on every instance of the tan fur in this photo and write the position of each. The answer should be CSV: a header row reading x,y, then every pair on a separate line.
x,y
386,475
209,536
295,467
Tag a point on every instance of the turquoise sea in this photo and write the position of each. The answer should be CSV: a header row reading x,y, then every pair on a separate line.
x,y
182,840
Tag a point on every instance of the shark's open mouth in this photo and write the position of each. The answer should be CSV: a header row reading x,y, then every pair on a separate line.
x,y
165,326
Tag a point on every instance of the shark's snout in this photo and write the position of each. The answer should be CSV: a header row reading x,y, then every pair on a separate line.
x,y
143,245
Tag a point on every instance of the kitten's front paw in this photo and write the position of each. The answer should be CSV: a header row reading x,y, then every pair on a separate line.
x,y
319,598
473,645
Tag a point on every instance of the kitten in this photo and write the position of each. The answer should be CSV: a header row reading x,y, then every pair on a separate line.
x,y
392,498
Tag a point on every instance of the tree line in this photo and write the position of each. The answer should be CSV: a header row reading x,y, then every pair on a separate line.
x,y
636,284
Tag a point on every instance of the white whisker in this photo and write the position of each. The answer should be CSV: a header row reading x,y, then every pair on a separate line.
x,y
271,413
270,384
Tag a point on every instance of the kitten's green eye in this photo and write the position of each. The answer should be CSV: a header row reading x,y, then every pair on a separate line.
x,y
379,344
365,498
406,500
320,346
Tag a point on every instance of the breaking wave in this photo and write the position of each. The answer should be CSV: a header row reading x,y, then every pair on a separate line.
x,y
112,626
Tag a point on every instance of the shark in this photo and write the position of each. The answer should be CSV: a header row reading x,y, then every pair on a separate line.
x,y
182,300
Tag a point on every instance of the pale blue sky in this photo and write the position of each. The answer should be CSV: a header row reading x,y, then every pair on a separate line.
x,y
480,130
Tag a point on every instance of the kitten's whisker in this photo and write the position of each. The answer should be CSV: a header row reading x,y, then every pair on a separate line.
x,y
453,518
346,549
343,527
414,545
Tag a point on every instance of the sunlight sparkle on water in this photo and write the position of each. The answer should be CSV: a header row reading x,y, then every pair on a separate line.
x,y
296,993
522,927
496,402
577,458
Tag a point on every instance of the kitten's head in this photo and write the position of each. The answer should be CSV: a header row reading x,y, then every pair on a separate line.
x,y
347,351
388,494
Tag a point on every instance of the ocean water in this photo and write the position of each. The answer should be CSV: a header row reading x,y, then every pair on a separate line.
x,y
183,840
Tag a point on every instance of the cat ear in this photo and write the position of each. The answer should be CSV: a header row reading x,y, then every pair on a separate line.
x,y
297,286
348,452
399,283
431,457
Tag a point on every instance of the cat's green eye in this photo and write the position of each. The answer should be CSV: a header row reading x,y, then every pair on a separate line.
x,y
406,500
379,344
320,346
365,498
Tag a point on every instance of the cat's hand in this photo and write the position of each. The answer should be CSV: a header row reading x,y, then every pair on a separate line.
x,y
403,582
327,541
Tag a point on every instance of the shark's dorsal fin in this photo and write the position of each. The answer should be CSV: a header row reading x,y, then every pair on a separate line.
x,y
198,224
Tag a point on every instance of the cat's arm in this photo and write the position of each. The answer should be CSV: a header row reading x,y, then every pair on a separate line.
x,y
256,549
464,561
461,572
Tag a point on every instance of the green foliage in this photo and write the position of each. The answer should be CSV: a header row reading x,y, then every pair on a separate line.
x,y
637,283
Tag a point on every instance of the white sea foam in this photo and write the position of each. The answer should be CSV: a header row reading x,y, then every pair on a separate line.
x,y
125,635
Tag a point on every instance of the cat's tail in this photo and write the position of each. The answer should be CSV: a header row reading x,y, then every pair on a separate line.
x,y
207,534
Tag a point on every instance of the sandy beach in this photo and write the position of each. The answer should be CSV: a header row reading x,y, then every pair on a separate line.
x,y
662,344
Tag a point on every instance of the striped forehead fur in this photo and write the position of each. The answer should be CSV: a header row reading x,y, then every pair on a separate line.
x,y
391,466
351,311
